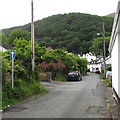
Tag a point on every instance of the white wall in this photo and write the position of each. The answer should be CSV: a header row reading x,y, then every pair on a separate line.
x,y
119,64
108,61
114,48
92,67
115,66
2,49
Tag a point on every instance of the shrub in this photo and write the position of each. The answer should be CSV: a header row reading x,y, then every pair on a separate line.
x,y
102,75
107,82
54,68
61,78
108,68
82,65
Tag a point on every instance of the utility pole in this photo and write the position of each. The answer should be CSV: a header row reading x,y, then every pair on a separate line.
x,y
104,51
32,38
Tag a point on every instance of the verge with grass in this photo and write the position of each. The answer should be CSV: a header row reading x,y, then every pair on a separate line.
x,y
62,78
21,91
107,82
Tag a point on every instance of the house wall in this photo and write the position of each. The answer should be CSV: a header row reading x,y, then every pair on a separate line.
x,y
114,49
119,64
92,67
108,61
2,49
119,53
115,72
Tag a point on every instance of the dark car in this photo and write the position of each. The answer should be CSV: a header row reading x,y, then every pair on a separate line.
x,y
74,75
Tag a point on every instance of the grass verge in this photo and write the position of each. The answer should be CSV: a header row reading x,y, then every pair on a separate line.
x,y
21,91
107,82
62,78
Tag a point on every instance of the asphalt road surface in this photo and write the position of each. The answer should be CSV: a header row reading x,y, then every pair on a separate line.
x,y
79,99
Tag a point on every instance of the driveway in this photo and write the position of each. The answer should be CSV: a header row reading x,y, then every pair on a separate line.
x,y
79,99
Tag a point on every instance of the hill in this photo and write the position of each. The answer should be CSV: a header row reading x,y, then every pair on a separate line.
x,y
111,15
73,32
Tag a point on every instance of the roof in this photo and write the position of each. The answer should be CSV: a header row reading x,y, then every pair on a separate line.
x,y
49,49
116,28
6,46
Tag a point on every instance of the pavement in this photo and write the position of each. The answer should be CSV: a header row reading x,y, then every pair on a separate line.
x,y
113,106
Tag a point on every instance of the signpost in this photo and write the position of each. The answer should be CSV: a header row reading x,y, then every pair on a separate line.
x,y
12,56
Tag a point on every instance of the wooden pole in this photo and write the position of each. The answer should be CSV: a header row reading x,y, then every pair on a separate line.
x,y
104,51
32,38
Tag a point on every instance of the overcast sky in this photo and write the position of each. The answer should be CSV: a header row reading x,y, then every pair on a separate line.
x,y
18,12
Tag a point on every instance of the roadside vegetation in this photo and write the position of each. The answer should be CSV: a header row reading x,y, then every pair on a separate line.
x,y
60,62
68,35
61,78
25,82
107,80
73,32
57,62
21,91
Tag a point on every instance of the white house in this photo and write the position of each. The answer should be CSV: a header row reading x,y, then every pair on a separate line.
x,y
108,60
89,56
94,63
4,47
114,49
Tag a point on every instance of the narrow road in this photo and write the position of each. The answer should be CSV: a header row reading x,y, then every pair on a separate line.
x,y
80,99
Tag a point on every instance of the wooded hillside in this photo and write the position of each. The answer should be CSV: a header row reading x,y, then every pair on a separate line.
x,y
73,32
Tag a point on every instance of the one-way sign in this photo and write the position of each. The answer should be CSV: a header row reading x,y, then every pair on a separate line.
x,y
12,54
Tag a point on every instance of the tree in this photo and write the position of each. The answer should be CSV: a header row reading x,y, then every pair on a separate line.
x,y
19,34
61,31
39,52
6,67
74,45
68,59
23,56
4,38
97,45
82,65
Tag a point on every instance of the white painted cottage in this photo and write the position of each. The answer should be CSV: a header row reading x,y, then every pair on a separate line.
x,y
94,63
5,47
114,49
2,49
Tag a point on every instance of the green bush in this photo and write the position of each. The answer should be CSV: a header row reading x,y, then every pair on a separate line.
x,y
15,92
107,82
25,81
61,78
108,68
102,75
82,65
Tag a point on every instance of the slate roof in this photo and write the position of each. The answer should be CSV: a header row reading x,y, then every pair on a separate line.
x,y
6,46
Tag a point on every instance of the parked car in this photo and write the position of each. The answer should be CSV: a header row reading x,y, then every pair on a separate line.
x,y
74,75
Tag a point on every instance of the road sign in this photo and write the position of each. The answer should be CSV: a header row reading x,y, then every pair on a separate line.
x,y
12,54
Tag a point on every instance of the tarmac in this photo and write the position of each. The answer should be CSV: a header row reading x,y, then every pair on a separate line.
x,y
113,105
